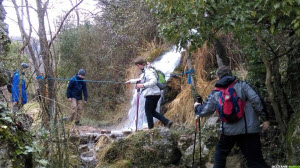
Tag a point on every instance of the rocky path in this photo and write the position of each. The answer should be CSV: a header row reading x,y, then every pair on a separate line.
x,y
91,140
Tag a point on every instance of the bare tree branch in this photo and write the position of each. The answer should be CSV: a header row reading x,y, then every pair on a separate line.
x,y
45,6
62,22
21,25
270,47
21,6
77,13
291,49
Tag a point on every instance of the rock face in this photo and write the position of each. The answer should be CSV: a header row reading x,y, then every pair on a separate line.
x,y
151,148
13,142
209,138
4,157
4,41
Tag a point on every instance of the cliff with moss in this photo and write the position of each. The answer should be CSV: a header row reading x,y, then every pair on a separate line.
x,y
15,141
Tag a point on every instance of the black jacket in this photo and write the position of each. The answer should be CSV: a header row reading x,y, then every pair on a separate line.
x,y
76,87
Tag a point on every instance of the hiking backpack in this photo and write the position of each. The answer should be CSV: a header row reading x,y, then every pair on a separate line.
x,y
230,107
9,84
161,81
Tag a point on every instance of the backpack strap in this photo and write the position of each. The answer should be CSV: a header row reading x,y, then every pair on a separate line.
x,y
246,129
151,67
74,79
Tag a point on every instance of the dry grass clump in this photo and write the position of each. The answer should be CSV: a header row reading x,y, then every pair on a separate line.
x,y
181,109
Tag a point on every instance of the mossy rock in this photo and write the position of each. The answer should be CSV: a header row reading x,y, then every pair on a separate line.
x,y
122,164
209,138
13,140
151,148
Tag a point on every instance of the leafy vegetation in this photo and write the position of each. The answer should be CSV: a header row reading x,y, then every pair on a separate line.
x,y
266,34
105,50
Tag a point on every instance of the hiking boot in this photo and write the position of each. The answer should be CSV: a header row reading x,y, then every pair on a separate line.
x,y
170,123
77,123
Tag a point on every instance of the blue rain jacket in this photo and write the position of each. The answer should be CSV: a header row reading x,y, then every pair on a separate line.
x,y
76,87
15,89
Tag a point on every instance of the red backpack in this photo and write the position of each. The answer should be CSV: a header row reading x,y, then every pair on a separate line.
x,y
230,107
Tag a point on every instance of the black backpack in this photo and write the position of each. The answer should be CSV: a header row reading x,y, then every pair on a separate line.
x,y
9,85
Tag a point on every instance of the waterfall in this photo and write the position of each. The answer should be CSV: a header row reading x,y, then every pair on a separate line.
x,y
166,63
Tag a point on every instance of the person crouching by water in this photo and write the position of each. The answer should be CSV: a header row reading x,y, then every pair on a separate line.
x,y
74,93
241,127
150,91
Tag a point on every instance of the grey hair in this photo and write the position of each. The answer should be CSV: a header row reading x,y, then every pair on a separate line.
x,y
223,71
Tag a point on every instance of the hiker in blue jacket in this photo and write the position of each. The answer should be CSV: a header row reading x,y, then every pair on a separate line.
x,y
15,89
246,131
74,93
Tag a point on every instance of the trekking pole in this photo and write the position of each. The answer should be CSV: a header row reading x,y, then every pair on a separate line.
x,y
195,142
137,106
199,100
199,141
197,123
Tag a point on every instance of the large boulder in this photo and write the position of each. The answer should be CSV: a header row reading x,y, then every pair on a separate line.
x,y
151,148
209,138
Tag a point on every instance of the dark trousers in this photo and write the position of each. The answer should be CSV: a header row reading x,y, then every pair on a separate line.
x,y
150,106
248,143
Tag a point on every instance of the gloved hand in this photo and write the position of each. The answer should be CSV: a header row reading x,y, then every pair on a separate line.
x,y
196,104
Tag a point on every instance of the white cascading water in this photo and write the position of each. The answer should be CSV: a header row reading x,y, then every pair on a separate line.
x,y
167,64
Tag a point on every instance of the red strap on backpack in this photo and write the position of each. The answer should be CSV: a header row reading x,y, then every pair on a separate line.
x,y
230,107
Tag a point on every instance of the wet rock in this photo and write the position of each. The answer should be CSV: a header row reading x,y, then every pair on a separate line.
x,y
184,142
88,158
87,154
102,142
83,148
113,136
126,132
88,137
105,131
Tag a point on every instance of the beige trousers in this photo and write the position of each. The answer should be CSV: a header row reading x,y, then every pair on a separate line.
x,y
76,106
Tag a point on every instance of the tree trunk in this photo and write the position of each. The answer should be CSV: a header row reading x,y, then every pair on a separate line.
x,y
221,56
45,53
280,92
189,64
270,88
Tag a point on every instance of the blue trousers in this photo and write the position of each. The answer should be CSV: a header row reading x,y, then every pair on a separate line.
x,y
248,143
150,106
